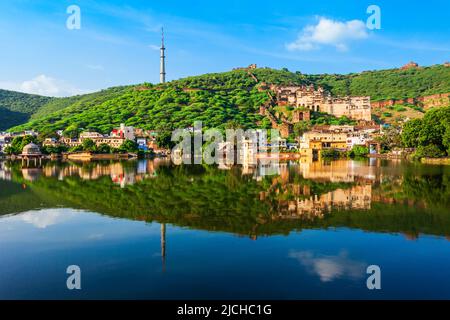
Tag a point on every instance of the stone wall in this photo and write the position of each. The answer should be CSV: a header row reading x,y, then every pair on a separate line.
x,y
435,100
301,115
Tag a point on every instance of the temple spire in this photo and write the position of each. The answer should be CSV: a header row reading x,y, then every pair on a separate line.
x,y
162,69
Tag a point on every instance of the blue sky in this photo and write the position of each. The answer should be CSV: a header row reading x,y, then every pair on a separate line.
x,y
117,39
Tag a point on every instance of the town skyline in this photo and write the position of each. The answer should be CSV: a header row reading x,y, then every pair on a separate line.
x,y
123,41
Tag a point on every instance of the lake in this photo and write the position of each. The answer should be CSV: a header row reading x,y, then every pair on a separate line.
x,y
148,229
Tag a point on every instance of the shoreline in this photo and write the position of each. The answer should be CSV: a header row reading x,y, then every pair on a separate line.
x,y
86,156
440,161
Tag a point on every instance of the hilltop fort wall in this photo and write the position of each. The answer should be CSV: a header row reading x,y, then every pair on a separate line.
x,y
435,100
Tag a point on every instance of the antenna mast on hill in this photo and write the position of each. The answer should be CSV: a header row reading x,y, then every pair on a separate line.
x,y
162,68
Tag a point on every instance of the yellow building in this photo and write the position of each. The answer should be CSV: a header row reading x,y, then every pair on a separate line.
x,y
113,142
313,142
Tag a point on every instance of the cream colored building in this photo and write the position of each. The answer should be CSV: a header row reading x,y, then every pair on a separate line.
x,y
314,141
319,100
113,142
90,135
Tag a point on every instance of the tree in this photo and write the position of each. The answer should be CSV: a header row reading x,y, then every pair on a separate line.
x,y
431,151
104,148
300,128
431,135
76,148
129,146
164,139
71,131
8,150
390,139
359,151
434,126
47,133
89,145
18,143
446,138
53,149
233,124
411,132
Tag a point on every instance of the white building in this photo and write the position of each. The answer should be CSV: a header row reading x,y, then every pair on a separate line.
x,y
124,132
90,135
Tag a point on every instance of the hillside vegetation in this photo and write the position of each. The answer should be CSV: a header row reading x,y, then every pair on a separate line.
x,y
16,107
388,84
218,99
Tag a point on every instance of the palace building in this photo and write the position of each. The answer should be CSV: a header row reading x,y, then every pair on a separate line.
x,y
319,100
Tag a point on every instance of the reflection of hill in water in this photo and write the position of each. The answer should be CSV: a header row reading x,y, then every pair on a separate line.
x,y
409,198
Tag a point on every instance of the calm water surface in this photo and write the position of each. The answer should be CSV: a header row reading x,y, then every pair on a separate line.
x,y
151,230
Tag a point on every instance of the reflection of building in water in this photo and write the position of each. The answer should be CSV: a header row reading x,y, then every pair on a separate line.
x,y
120,172
124,179
333,171
298,200
356,198
121,176
5,172
263,168
31,174
338,171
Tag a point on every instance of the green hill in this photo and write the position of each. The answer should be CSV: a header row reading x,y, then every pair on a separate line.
x,y
219,99
215,99
16,107
388,84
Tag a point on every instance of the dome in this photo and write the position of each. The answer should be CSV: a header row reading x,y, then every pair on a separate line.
x,y
31,149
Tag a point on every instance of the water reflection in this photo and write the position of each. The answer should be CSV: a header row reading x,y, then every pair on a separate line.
x,y
330,267
129,172
121,173
397,196
152,230
43,219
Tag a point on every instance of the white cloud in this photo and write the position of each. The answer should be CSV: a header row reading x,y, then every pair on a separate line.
x,y
153,47
45,218
43,85
329,268
329,32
